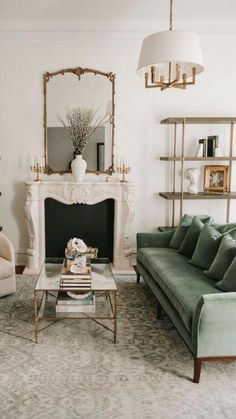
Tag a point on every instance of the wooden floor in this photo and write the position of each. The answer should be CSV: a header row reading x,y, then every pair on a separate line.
x,y
19,269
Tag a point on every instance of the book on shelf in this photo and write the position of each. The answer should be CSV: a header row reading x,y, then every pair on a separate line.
x,y
75,309
64,299
70,305
212,144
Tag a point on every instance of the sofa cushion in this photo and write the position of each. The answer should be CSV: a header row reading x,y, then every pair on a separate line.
x,y
182,283
188,246
223,259
182,229
207,246
6,268
226,228
228,283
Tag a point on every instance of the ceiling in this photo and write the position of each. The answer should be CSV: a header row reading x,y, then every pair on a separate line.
x,y
125,10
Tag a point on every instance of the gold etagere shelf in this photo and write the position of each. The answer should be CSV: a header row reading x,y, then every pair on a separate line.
x,y
181,195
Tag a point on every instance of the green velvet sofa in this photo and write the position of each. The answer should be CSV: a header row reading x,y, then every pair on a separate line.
x,y
204,316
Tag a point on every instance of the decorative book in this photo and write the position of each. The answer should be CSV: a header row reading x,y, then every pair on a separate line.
x,y
64,299
75,284
66,304
75,309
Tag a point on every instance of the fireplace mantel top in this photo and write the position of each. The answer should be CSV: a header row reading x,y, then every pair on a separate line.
x,y
91,183
79,192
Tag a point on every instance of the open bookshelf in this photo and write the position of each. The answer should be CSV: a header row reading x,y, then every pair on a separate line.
x,y
181,195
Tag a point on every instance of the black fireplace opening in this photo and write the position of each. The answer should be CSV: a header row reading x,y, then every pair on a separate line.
x,y
92,223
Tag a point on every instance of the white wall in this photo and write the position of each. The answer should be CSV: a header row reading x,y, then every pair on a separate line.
x,y
139,136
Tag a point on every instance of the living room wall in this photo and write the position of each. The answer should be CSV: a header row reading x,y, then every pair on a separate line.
x,y
139,136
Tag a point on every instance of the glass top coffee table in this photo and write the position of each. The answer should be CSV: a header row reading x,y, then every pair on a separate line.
x,y
103,287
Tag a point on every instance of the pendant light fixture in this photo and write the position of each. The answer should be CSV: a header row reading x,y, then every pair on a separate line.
x,y
170,58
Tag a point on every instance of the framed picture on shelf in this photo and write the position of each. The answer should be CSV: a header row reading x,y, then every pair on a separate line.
x,y
216,178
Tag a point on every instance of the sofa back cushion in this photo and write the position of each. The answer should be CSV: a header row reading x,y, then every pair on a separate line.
x,y
188,245
182,229
223,259
180,232
228,283
227,228
207,247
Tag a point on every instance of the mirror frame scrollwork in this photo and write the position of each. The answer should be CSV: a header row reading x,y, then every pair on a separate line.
x,y
79,71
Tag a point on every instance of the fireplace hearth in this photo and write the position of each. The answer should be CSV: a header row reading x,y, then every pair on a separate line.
x,y
93,224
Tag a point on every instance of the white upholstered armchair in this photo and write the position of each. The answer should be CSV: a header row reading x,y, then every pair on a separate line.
x,y
7,267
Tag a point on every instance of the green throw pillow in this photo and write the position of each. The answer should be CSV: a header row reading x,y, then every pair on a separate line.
x,y
180,232
223,259
228,283
207,247
191,237
182,229
226,228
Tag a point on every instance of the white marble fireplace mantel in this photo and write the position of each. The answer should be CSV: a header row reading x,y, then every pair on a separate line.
x,y
82,193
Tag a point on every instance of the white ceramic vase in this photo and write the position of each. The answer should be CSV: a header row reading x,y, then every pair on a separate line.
x,y
78,168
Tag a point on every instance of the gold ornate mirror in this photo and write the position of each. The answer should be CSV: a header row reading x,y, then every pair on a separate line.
x,y
87,89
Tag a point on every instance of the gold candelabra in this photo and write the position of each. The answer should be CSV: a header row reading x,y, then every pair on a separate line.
x,y
37,167
123,170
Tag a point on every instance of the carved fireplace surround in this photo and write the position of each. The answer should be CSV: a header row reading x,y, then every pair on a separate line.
x,y
82,193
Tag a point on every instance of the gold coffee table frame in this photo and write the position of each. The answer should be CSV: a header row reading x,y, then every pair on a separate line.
x,y
48,283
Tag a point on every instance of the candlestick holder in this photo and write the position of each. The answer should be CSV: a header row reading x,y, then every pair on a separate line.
x,y
123,170
37,168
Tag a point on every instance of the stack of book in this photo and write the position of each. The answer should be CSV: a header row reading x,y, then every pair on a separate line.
x,y
75,279
66,304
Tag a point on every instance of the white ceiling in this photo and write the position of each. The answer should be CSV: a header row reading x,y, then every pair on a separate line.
x,y
130,10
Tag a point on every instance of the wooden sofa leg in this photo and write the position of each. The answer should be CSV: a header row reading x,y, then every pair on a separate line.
x,y
159,311
138,277
197,369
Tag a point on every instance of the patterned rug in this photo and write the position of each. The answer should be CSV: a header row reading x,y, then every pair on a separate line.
x,y
75,371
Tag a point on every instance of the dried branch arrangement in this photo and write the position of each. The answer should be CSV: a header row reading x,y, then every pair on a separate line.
x,y
80,124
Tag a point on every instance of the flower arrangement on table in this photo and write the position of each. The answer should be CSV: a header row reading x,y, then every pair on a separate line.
x,y
76,247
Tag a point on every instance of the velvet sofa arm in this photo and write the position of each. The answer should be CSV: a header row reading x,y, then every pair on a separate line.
x,y
158,239
213,327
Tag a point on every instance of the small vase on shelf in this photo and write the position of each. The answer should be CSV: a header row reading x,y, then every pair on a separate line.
x,y
78,168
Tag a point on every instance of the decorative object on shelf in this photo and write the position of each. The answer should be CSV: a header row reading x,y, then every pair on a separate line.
x,y
216,178
123,168
212,143
38,166
170,58
192,174
80,124
201,150
76,249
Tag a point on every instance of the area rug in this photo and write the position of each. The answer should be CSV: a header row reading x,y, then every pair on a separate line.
x,y
75,371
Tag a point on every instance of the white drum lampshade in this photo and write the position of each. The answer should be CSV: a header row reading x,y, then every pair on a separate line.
x,y
176,47
170,58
